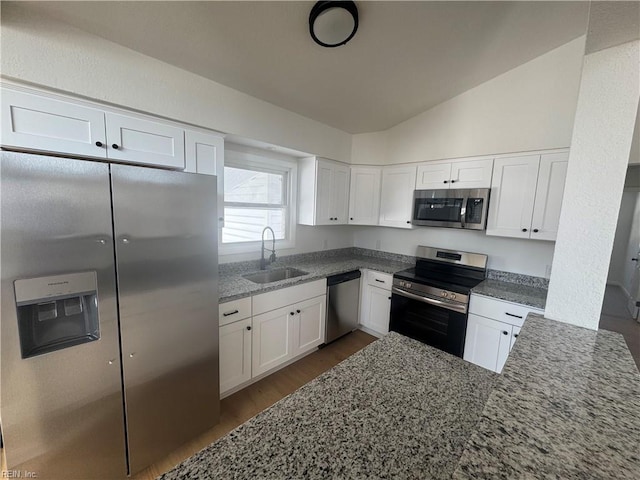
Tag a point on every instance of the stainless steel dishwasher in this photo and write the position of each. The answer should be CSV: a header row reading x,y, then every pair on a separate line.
x,y
343,304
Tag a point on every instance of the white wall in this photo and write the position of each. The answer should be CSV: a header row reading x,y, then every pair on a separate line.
x,y
632,250
531,107
620,259
512,255
600,148
48,53
308,239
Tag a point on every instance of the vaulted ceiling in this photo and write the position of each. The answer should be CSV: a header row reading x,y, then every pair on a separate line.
x,y
406,57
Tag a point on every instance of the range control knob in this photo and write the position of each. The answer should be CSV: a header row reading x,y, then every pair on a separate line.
x,y
444,294
452,296
407,284
401,283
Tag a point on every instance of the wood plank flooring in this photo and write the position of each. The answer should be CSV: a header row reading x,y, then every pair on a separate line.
x,y
616,318
241,406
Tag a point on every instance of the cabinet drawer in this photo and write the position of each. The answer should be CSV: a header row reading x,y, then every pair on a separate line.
x,y
265,302
234,310
379,279
511,313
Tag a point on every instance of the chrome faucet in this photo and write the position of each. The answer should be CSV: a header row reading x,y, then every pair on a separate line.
x,y
272,257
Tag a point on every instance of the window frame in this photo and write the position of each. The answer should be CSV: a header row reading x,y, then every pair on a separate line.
x,y
264,162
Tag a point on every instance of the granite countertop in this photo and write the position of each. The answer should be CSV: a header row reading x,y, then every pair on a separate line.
x,y
233,286
396,409
567,405
533,296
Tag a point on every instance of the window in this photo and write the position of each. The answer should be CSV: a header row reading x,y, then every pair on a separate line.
x,y
258,192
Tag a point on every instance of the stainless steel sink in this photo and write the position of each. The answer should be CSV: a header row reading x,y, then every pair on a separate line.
x,y
269,276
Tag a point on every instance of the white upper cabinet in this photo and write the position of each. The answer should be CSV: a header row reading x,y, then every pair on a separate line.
x,y
549,192
143,141
204,153
364,195
433,176
396,196
455,174
323,192
39,123
513,192
526,196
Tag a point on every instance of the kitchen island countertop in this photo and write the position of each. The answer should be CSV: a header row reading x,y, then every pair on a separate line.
x,y
567,405
396,409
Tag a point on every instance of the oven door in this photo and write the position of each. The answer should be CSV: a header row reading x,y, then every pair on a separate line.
x,y
427,320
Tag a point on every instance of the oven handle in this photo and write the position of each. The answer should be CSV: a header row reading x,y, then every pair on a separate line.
x,y
430,301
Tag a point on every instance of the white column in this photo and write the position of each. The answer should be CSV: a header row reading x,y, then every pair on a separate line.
x,y
600,146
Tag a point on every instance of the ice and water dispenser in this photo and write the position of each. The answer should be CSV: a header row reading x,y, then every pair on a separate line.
x,y
57,312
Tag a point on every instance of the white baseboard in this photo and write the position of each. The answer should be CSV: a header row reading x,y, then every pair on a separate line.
x,y
370,332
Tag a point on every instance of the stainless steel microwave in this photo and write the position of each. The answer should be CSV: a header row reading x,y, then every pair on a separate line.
x,y
454,208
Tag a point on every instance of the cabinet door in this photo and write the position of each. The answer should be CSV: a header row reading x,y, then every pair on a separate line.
x,y
515,331
308,324
39,123
272,341
235,354
340,195
324,202
204,153
472,174
487,342
513,191
364,195
377,309
396,197
433,176
137,140
549,193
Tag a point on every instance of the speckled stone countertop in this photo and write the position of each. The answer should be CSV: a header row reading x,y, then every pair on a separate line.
x,y
535,297
233,286
567,405
396,409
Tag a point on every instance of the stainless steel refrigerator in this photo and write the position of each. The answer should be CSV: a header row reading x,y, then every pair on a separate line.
x,y
109,327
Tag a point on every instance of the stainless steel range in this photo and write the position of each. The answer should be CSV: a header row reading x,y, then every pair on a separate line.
x,y
430,302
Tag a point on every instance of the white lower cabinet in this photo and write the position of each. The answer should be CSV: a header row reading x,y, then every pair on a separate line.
x,y
488,342
235,354
492,328
272,339
287,332
375,307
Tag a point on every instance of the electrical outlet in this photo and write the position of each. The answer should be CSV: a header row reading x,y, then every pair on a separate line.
x,y
378,244
547,272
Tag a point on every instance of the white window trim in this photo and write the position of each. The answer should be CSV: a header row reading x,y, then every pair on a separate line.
x,y
241,159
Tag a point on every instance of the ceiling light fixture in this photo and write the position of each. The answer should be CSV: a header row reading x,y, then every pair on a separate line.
x,y
332,24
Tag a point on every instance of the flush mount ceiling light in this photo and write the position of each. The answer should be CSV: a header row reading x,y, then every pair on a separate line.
x,y
332,24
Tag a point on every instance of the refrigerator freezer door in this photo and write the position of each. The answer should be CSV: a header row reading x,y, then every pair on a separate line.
x,y
165,227
62,412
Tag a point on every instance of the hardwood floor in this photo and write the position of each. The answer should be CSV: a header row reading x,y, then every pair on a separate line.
x,y
241,406
616,318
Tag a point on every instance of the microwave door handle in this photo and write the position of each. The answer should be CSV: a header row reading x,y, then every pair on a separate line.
x,y
463,213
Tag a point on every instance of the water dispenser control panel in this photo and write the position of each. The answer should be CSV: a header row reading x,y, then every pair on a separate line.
x,y
57,312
